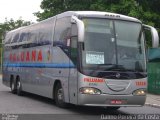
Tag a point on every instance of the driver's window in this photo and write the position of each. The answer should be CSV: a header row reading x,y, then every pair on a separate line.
x,y
74,40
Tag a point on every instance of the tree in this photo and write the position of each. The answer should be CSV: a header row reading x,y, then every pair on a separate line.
x,y
10,25
148,11
7,26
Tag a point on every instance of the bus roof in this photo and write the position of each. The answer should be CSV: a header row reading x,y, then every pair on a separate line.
x,y
97,14
86,14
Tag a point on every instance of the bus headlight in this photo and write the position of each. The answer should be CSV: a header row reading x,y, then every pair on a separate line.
x,y
89,90
140,92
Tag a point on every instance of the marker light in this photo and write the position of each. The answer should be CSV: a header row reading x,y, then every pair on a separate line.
x,y
140,92
89,90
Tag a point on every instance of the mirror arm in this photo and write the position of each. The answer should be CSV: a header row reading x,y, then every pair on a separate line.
x,y
80,26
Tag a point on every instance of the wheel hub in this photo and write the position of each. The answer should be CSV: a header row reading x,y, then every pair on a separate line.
x,y
18,85
60,94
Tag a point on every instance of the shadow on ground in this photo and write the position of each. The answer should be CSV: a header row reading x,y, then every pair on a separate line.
x,y
85,110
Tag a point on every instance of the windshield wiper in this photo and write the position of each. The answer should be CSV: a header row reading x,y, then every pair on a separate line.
x,y
116,67
113,67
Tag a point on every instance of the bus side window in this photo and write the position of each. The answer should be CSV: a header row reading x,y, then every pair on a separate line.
x,y
15,38
62,32
74,40
8,38
45,33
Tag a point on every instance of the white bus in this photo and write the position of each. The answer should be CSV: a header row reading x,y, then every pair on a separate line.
x,y
85,58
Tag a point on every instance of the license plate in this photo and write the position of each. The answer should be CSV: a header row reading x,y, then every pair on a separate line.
x,y
117,102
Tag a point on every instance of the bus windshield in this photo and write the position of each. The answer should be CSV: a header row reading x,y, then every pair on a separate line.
x,y
113,45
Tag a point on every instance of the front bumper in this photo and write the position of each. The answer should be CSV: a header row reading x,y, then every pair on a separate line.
x,y
105,100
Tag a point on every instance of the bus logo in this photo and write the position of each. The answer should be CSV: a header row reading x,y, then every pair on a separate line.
x,y
96,80
118,75
26,56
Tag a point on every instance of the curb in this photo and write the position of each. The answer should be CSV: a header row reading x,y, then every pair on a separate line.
x,y
152,105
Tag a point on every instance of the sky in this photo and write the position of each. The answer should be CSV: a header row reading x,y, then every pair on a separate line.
x,y
19,8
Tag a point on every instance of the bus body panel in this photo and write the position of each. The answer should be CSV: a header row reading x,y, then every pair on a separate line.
x,y
38,76
106,100
38,73
111,90
73,86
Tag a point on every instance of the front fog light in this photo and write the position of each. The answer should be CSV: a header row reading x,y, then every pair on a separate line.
x,y
140,92
89,90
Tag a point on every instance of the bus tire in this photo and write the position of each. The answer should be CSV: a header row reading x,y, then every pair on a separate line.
x,y
12,85
59,96
19,87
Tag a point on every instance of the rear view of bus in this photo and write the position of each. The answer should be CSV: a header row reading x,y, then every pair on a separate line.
x,y
112,60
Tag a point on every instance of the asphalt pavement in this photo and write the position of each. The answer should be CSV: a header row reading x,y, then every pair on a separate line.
x,y
29,107
153,100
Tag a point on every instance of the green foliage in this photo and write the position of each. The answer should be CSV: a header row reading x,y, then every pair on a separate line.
x,y
7,26
10,25
148,11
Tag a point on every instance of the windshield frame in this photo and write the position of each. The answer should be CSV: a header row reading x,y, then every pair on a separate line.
x,y
142,43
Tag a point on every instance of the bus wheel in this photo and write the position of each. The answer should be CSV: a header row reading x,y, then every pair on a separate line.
x,y
19,88
12,86
113,108
59,96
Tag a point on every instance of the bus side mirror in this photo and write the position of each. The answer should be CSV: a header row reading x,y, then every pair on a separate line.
x,y
154,33
80,26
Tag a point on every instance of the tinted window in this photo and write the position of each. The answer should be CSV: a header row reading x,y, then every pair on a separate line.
x,y
62,31
8,38
15,38
46,32
33,34
23,36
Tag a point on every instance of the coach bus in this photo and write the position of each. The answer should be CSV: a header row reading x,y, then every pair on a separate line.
x,y
87,58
